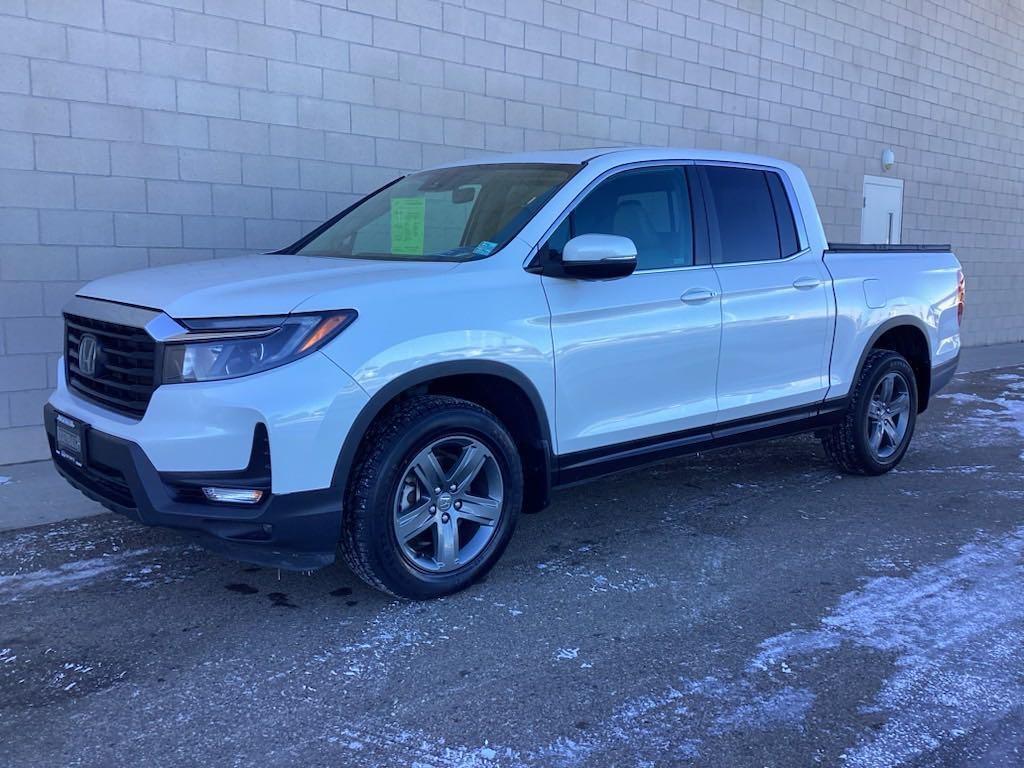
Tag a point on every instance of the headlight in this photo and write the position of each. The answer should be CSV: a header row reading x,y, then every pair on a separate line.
x,y
225,348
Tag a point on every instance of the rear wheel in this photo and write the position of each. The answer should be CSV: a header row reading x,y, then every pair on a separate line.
x,y
875,433
434,498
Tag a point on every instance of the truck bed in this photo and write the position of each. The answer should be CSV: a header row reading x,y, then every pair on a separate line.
x,y
901,248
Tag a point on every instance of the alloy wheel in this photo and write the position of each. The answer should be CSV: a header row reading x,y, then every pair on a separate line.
x,y
448,504
888,415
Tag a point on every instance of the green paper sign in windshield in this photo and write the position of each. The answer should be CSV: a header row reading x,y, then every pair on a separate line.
x,y
407,225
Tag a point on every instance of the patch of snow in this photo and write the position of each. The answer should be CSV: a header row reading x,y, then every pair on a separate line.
x,y
420,750
68,575
670,722
962,470
1011,415
954,627
4,479
1015,409
571,564
963,398
785,707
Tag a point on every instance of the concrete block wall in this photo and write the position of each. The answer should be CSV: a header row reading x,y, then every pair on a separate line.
x,y
145,132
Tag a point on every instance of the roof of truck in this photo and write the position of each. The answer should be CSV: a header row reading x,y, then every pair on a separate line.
x,y
622,154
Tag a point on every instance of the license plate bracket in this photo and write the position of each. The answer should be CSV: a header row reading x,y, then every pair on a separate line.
x,y
71,439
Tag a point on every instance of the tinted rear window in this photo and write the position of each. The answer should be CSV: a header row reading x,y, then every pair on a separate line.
x,y
788,238
742,206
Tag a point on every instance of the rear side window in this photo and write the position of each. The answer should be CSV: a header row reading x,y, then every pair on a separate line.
x,y
742,215
650,206
788,239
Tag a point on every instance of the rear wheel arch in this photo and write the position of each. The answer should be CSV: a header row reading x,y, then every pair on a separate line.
x,y
908,336
501,389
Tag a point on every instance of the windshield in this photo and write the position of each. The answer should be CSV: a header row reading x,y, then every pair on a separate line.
x,y
451,214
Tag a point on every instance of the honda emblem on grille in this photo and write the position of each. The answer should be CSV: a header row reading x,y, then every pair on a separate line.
x,y
88,351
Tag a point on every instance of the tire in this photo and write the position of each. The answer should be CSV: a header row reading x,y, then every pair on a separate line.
x,y
851,444
388,498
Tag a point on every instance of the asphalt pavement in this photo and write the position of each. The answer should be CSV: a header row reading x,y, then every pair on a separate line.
x,y
748,607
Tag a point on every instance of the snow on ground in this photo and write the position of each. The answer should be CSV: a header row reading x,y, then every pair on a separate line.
x,y
954,627
1006,413
68,575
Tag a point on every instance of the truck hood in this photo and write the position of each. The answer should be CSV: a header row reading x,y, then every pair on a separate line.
x,y
265,284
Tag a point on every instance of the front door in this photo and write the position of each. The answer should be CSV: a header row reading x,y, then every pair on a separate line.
x,y
776,317
635,357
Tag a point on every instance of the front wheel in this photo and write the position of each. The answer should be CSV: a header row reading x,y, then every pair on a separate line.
x,y
879,422
434,498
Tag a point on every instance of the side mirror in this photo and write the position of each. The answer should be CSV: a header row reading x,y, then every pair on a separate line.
x,y
598,257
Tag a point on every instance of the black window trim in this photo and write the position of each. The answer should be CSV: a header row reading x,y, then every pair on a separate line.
x,y
537,257
779,205
801,234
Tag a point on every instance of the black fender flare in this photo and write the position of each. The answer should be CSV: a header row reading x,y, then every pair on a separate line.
x,y
419,376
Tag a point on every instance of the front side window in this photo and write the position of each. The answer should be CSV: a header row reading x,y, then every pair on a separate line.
x,y
450,214
650,206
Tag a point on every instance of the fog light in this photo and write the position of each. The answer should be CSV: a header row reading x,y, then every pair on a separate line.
x,y
233,495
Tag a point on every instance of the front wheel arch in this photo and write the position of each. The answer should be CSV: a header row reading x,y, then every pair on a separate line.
x,y
529,425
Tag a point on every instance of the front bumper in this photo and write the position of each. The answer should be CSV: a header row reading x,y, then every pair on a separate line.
x,y
295,531
307,407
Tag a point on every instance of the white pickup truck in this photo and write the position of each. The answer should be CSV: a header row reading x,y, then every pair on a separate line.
x,y
406,379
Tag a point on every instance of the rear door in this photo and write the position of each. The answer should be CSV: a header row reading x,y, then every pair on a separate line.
x,y
635,357
776,324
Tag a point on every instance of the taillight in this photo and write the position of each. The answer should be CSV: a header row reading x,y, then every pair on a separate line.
x,y
961,296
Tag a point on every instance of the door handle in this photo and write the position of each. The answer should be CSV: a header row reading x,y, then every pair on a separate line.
x,y
697,296
806,283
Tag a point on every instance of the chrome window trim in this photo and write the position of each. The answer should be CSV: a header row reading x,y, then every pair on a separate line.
x,y
796,255
673,269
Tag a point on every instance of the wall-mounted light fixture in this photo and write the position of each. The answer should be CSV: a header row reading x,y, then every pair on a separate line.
x,y
888,159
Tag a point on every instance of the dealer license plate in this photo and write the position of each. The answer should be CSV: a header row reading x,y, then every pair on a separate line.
x,y
71,439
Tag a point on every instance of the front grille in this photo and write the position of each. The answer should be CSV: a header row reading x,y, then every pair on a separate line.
x,y
125,371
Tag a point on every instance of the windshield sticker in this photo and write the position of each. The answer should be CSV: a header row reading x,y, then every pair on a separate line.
x,y
485,248
407,214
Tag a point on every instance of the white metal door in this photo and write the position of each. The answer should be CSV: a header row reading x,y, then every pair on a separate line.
x,y
776,324
635,357
882,218
776,336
